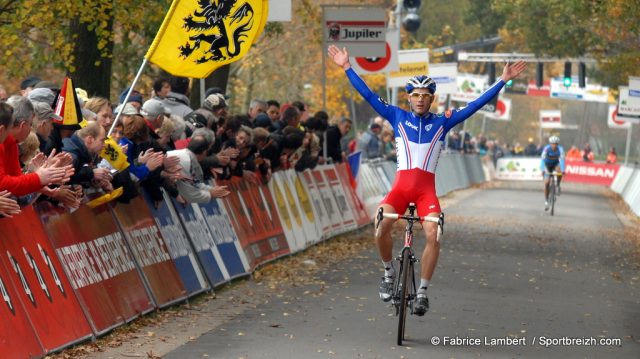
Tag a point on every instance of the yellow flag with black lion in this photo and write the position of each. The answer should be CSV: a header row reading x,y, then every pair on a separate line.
x,y
199,36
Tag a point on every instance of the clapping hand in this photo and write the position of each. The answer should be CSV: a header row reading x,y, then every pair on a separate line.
x,y
8,206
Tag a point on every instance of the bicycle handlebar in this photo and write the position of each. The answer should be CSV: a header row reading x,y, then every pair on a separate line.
x,y
439,220
410,218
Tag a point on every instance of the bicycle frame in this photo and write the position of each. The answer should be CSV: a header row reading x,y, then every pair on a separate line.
x,y
404,290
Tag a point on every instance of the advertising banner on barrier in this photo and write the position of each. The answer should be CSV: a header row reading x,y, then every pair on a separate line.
x,y
356,205
17,337
323,223
202,240
371,188
347,214
390,169
313,232
149,251
518,168
333,211
178,245
288,212
98,264
256,224
41,283
383,176
225,238
588,172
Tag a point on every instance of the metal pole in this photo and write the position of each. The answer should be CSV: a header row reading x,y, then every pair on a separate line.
x,y
628,145
398,13
484,121
324,70
353,108
202,97
135,80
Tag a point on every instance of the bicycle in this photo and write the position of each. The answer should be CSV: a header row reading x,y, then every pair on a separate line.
x,y
553,185
404,290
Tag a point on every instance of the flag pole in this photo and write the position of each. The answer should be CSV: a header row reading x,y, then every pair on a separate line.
x,y
135,80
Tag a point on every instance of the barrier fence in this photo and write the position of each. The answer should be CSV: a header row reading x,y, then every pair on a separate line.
x,y
66,277
627,185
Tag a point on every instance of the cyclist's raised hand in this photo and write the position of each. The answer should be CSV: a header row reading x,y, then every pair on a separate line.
x,y
340,57
512,70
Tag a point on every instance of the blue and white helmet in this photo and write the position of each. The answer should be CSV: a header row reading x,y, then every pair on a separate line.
x,y
421,82
554,139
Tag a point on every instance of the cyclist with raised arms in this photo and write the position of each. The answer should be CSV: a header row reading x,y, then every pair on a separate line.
x,y
420,137
552,158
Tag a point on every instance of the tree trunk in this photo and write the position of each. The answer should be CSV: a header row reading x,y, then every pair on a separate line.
x,y
219,78
95,79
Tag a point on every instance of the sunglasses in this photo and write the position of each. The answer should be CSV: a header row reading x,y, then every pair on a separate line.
x,y
417,95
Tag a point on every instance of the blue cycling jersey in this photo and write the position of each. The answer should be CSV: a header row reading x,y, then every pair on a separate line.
x,y
551,158
420,139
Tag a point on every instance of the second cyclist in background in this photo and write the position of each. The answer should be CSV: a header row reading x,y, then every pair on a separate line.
x,y
552,158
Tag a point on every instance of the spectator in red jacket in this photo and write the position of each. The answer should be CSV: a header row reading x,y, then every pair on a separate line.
x,y
8,206
53,170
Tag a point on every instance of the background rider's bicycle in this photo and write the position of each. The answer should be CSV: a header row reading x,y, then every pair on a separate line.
x,y
404,289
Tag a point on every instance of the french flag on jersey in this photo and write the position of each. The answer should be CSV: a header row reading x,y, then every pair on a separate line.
x,y
354,161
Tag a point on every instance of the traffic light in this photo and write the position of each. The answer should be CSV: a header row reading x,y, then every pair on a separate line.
x,y
492,73
411,21
539,75
582,73
567,74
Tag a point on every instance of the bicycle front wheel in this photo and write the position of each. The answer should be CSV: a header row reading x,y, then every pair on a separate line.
x,y
404,292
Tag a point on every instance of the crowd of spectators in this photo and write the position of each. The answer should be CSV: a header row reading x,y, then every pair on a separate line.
x,y
168,144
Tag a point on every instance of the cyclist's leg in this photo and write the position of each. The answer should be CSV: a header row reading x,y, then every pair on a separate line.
x,y
558,178
431,250
547,179
383,238
394,202
546,187
428,204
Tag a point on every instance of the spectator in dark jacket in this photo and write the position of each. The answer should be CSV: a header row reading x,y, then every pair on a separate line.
x,y
334,135
84,146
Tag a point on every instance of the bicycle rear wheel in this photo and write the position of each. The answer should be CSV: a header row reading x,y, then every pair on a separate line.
x,y
404,292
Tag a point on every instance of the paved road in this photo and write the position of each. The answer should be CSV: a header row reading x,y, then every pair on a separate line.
x,y
507,269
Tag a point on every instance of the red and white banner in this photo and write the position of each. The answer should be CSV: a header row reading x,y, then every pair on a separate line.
x,y
347,214
550,119
98,263
355,203
17,336
150,251
255,220
533,90
587,172
528,169
40,281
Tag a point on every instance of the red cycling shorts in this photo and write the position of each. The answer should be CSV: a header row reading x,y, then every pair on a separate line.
x,y
414,185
